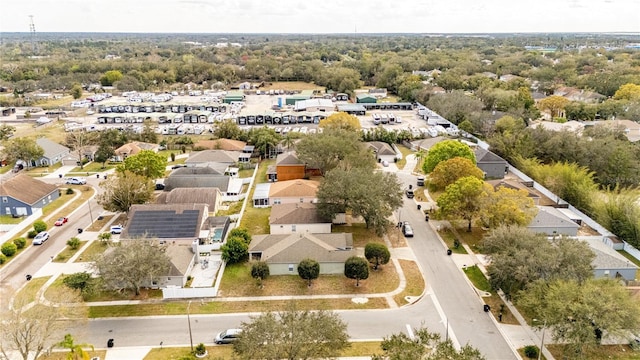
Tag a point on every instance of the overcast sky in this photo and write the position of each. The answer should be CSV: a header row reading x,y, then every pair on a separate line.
x,y
321,16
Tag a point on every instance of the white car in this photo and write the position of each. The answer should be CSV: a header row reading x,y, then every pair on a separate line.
x,y
40,238
116,229
76,181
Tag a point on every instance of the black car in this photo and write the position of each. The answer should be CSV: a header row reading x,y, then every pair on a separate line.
x,y
159,186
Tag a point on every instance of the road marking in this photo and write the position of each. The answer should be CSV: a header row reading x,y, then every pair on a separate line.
x,y
410,331
450,334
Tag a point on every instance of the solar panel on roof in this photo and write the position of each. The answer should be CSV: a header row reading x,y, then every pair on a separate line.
x,y
165,224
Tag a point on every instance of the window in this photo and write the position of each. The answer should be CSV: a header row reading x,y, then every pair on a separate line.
x,y
5,199
291,267
277,201
293,228
301,200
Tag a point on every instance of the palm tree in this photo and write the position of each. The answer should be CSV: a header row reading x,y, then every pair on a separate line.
x,y
76,351
288,141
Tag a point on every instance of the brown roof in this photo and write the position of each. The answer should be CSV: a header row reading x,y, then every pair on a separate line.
x,y
221,144
292,248
294,188
25,188
190,196
135,147
297,213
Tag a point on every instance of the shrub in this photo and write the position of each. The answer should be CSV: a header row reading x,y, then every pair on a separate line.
x,y
241,233
104,237
173,157
73,243
200,349
79,281
31,234
3,259
259,270
235,250
9,249
70,191
39,226
377,254
531,351
20,242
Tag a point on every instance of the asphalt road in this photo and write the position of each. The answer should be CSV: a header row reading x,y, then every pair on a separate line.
x,y
448,292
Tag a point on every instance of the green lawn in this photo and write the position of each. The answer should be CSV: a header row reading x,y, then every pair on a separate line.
x,y
477,278
93,167
95,248
256,220
8,219
67,253
405,151
361,235
28,293
449,238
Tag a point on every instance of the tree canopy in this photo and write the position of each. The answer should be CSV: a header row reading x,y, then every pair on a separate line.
x,y
22,148
463,199
309,270
146,163
123,190
445,150
333,147
340,120
450,170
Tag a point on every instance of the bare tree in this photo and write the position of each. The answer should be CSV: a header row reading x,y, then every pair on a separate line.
x,y
79,141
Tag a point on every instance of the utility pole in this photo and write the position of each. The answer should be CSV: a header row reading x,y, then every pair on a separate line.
x,y
32,30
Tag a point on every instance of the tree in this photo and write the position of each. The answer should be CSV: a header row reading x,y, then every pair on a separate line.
x,y
309,270
264,139
39,226
22,148
78,142
110,77
629,92
132,265
104,153
455,106
123,190
241,233
292,334
76,351
424,346
448,171
235,250
73,243
227,129
334,147
29,330
6,131
9,249
463,199
506,206
554,104
76,91
579,313
377,254
341,120
259,270
519,257
78,281
445,150
146,163
356,268
372,195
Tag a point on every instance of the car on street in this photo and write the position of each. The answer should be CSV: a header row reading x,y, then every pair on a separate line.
x,y
116,229
409,193
76,181
61,221
40,238
407,230
227,337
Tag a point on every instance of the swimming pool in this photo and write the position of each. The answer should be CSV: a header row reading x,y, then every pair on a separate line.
x,y
217,234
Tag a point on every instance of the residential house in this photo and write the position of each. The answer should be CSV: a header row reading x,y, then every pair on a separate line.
x,y
230,188
210,196
285,192
283,252
21,194
180,223
53,153
214,156
494,166
133,148
297,218
288,167
608,262
515,185
383,151
551,221
574,94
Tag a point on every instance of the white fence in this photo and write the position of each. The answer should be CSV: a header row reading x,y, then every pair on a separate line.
x,y
13,230
188,293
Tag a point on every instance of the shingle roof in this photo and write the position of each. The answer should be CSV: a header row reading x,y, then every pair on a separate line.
x,y
220,156
292,248
294,188
296,213
190,196
200,170
181,257
486,157
25,188
51,149
221,144
288,158
194,181
381,148
606,257
550,217
134,147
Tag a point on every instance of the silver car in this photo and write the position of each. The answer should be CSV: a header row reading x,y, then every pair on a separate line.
x,y
41,238
228,336
407,230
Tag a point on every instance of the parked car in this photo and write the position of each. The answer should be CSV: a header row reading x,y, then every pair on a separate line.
x,y
159,186
76,181
407,230
409,193
420,180
116,229
228,336
40,238
61,221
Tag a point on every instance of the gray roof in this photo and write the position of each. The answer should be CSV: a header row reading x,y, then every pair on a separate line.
x,y
350,107
195,181
292,248
381,148
296,213
288,158
606,257
219,156
549,217
201,170
166,221
261,191
181,257
51,149
190,196
487,157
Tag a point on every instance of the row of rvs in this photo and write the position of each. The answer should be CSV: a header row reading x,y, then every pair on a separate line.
x,y
386,119
160,108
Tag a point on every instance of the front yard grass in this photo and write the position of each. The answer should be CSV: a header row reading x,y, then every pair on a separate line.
x,y
67,253
256,220
94,249
28,293
361,235
415,282
481,283
99,223
473,239
237,282
93,167
405,151
8,219
449,238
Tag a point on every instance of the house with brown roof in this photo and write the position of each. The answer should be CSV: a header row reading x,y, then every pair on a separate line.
x,y
21,194
210,196
221,144
575,94
297,218
383,151
283,252
285,192
133,148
